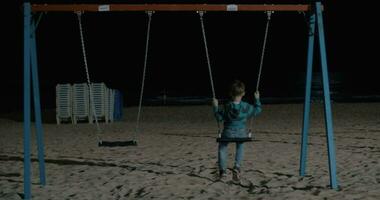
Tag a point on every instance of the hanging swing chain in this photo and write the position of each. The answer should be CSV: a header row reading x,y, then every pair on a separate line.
x,y
79,14
201,13
269,13
143,76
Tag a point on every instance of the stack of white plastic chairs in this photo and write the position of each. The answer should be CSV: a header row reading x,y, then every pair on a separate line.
x,y
81,103
64,102
75,103
111,104
99,92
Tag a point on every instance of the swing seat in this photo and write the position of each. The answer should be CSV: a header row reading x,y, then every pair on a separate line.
x,y
247,139
242,139
117,143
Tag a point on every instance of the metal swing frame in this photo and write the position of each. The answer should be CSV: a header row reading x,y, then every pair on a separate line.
x,y
31,81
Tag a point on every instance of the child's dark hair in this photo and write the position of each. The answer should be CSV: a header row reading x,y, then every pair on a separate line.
x,y
237,88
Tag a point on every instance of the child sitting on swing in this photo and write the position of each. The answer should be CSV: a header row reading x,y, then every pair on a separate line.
x,y
234,115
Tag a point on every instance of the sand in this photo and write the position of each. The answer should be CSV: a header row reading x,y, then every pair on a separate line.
x,y
177,153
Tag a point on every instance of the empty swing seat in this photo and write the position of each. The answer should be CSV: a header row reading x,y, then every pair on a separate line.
x,y
117,143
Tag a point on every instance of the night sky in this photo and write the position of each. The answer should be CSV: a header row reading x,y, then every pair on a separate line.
x,y
115,44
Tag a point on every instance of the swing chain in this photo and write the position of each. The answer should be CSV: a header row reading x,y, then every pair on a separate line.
x,y
269,14
79,14
150,13
201,13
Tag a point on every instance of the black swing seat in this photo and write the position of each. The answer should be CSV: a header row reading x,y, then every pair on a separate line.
x,y
247,139
117,143
244,139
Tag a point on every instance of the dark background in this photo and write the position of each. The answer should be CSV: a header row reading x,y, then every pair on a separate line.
x,y
115,44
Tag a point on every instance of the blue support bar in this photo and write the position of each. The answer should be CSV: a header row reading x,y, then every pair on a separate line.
x,y
37,22
27,173
306,113
37,106
326,94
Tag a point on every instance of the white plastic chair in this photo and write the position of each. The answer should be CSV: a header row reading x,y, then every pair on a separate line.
x,y
81,103
63,102
99,91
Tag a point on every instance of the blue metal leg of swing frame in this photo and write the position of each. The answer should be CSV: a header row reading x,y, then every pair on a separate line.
x,y
31,69
306,113
327,103
37,107
27,117
326,96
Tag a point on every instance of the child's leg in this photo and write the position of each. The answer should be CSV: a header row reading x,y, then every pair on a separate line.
x,y
222,156
239,154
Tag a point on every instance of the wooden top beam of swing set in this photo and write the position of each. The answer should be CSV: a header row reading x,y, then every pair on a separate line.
x,y
167,7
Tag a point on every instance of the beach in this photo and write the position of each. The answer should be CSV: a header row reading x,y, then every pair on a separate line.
x,y
176,156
